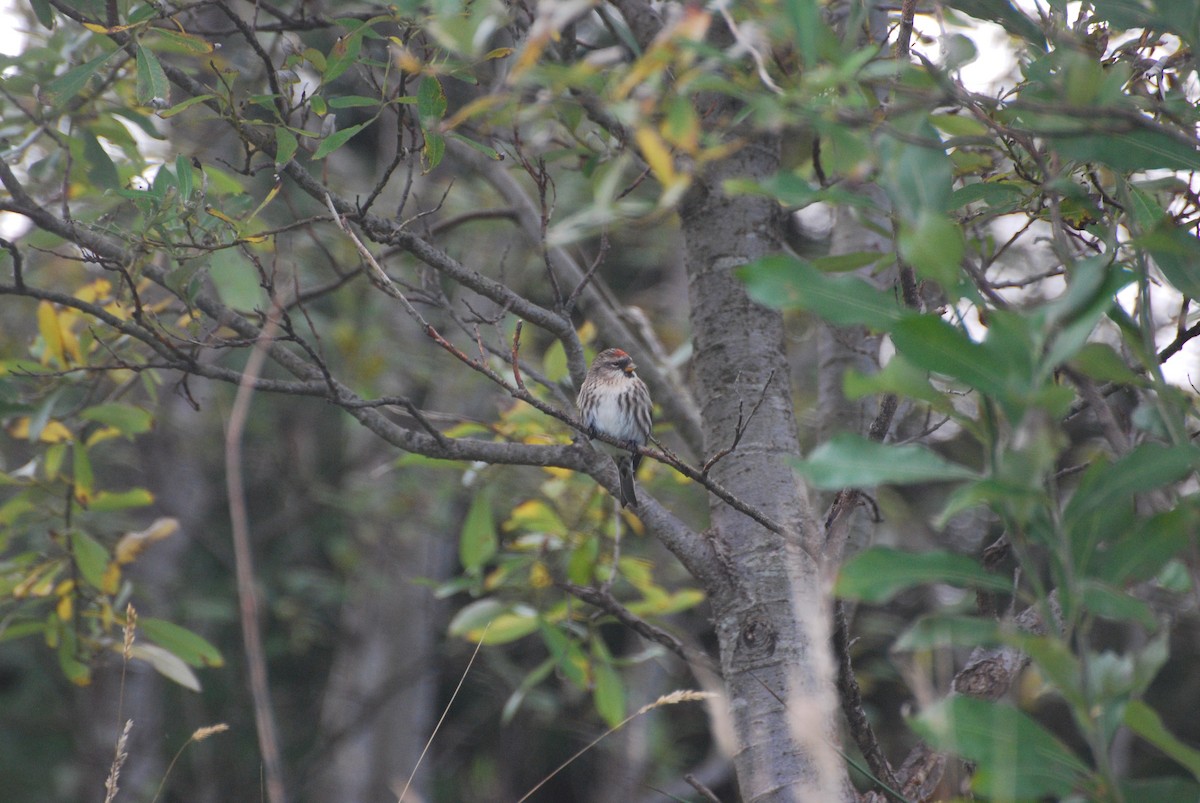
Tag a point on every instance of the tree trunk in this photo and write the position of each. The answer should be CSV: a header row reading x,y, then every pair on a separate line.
x,y
770,614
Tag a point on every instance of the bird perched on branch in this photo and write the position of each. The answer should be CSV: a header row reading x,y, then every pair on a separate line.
x,y
615,402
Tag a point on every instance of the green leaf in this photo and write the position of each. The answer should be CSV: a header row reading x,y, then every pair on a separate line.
x,y
101,171
285,145
849,460
490,153
1005,14
184,105
934,246
1015,758
183,42
930,343
608,693
1115,605
337,139
528,683
1100,362
352,101
932,632
73,81
477,542
108,501
1147,467
44,13
1164,788
433,150
90,556
918,178
153,88
166,664
126,418
431,100
1143,552
183,174
82,474
342,55
1175,251
783,282
998,195
567,654
75,670
899,376
1130,150
490,621
879,573
183,643
1145,722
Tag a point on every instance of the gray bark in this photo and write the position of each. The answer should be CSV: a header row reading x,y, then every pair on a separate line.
x,y
770,615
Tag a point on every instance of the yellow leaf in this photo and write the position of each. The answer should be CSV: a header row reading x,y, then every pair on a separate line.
x,y
51,331
529,55
131,544
657,156
405,59
95,28
94,291
56,432
219,215
270,197
53,432
117,310
111,580
473,108
43,587
102,434
64,608
539,575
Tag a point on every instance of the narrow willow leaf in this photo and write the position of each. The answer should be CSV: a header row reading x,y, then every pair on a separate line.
x,y
1015,757
90,556
879,573
934,345
787,283
477,541
181,642
1146,722
166,664
337,139
73,81
153,88
850,460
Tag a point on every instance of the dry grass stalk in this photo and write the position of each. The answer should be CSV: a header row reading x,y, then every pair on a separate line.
x,y
114,771
674,698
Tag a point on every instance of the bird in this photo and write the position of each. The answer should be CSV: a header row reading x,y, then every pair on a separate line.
x,y
615,402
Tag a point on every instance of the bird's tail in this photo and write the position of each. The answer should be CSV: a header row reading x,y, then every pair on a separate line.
x,y
625,468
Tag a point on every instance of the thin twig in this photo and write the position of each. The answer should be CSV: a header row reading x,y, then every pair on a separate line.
x,y
704,791
516,360
603,599
851,695
739,429
264,718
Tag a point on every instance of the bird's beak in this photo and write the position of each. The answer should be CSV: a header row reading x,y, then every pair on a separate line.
x,y
629,369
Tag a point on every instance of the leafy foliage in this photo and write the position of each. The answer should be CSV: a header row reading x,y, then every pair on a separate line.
x,y
1035,281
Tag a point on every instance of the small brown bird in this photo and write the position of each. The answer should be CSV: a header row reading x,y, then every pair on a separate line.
x,y
615,402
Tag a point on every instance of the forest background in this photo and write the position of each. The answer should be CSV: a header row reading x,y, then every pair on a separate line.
x,y
296,298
